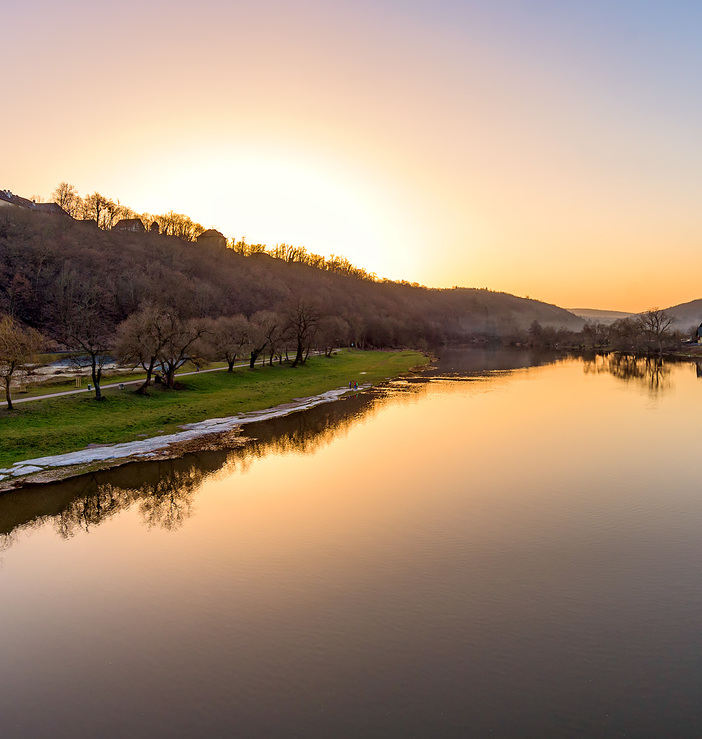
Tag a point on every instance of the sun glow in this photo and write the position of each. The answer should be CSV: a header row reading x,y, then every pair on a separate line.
x,y
273,197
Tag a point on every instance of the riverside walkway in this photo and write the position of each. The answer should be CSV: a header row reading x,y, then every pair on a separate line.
x,y
3,404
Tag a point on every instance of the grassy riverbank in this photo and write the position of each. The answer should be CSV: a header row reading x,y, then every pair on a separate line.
x,y
58,425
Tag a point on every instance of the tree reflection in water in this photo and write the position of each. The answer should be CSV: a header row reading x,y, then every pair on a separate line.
x,y
165,490
165,498
91,510
651,372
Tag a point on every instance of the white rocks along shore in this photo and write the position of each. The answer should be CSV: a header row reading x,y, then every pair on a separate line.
x,y
149,448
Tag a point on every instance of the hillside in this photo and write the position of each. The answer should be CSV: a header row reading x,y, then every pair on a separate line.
x,y
600,316
48,262
687,315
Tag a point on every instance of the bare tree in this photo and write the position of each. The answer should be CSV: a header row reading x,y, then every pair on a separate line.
x,y
142,337
625,335
182,345
263,328
277,337
229,337
102,210
82,323
332,332
89,332
181,226
301,319
655,324
18,346
279,344
66,196
357,330
595,334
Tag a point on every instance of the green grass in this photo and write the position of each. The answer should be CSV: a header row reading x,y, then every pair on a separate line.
x,y
58,425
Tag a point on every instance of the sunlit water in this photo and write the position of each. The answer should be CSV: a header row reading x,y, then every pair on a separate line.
x,y
508,553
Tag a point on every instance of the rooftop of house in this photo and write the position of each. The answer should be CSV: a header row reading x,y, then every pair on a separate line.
x,y
210,234
50,208
20,202
132,224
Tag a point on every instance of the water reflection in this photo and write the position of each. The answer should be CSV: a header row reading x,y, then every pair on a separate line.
x,y
461,361
165,490
165,499
652,373
446,569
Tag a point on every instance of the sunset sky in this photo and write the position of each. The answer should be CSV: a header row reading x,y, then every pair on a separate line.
x,y
550,148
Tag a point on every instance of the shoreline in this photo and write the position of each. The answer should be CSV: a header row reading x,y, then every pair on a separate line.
x,y
209,434
58,426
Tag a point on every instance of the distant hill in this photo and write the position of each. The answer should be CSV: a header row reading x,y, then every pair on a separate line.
x,y
48,261
600,316
687,315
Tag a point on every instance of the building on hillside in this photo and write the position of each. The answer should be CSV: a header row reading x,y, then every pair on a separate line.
x,y
10,199
130,224
212,238
699,334
53,208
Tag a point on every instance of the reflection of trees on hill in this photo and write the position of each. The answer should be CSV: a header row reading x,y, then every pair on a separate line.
x,y
651,372
7,540
91,510
165,497
165,490
458,361
307,432
169,502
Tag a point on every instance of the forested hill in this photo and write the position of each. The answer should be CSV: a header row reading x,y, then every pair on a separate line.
x,y
49,262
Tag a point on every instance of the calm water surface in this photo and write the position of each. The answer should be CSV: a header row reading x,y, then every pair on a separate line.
x,y
508,552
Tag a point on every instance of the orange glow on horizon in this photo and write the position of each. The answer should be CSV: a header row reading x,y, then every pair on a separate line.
x,y
480,145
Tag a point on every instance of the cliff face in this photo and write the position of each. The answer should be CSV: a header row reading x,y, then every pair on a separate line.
x,y
47,261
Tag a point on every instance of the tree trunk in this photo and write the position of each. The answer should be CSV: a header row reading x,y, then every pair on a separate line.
x,y
144,387
8,380
298,356
96,373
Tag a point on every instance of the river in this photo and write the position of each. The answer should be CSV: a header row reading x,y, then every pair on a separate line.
x,y
506,545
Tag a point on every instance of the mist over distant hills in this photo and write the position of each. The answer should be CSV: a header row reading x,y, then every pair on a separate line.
x,y
600,316
687,315
48,260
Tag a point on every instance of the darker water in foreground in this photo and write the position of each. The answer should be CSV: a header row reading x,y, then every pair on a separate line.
x,y
495,549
